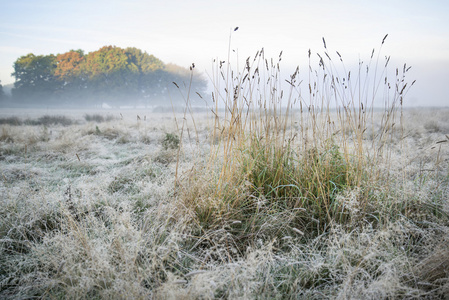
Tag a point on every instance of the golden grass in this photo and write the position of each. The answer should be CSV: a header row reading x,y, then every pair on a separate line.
x,y
274,153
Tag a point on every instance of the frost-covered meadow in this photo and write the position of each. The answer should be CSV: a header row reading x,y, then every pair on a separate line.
x,y
91,209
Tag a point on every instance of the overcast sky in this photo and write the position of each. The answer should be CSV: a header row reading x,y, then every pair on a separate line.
x,y
187,31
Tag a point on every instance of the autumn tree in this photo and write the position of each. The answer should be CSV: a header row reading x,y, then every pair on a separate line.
x,y
35,79
111,78
145,62
69,74
147,76
68,65
111,74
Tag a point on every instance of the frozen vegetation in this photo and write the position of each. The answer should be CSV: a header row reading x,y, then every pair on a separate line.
x,y
91,210
251,202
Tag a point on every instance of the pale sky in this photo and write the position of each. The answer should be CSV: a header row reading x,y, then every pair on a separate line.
x,y
187,31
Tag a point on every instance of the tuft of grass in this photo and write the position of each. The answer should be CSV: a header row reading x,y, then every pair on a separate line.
x,y
170,141
433,271
122,184
110,133
284,162
6,136
145,139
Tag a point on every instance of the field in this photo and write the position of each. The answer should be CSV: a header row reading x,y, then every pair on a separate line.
x,y
253,201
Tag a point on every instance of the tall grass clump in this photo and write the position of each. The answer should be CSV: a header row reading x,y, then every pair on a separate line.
x,y
286,152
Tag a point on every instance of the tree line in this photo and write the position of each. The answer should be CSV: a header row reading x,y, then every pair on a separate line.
x,y
110,75
2,93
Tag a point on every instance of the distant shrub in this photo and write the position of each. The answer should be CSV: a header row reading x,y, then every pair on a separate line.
x,y
98,118
50,120
44,120
94,118
11,121
432,126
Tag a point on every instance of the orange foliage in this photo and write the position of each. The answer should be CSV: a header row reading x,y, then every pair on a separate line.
x,y
68,64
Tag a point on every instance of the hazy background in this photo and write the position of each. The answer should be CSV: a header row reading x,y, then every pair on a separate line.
x,y
183,32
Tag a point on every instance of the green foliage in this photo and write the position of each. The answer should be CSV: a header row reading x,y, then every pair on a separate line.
x,y
270,181
35,77
283,176
109,75
144,62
